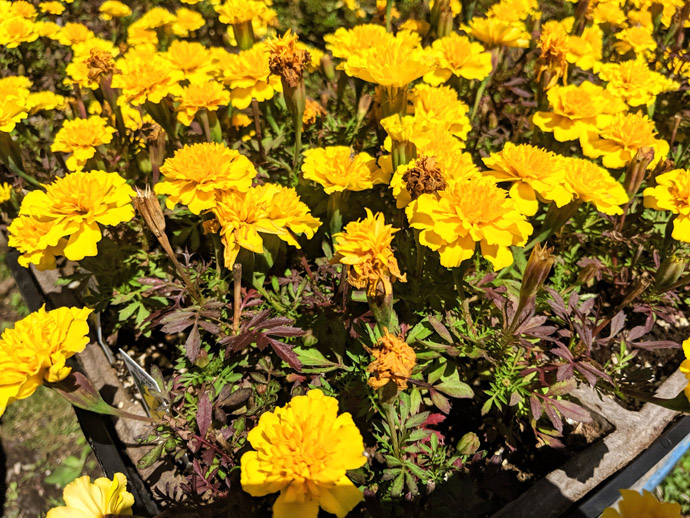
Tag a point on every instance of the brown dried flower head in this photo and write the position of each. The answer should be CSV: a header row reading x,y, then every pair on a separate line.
x,y
424,177
552,62
100,64
394,360
287,60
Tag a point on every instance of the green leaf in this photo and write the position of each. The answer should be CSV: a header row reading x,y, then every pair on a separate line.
x,y
398,483
152,456
455,388
70,469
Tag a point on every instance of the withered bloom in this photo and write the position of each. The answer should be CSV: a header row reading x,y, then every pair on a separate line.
x,y
552,63
424,178
100,64
393,361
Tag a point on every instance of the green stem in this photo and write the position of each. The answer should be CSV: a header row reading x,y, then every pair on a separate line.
x,y
390,418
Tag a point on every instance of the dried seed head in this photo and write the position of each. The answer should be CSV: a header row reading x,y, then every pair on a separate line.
x,y
424,177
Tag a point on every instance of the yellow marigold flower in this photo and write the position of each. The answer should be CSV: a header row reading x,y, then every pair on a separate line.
x,y
407,130
337,168
17,86
468,211
28,236
73,33
454,5
514,10
5,192
634,82
15,31
102,497
304,450
495,32
74,206
456,55
248,75
22,9
430,173
141,36
533,171
240,120
393,361
45,101
685,366
208,95
36,349
637,39
147,80
672,192
365,248
235,12
92,58
191,58
84,50
586,51
312,110
187,21
645,505
113,9
441,104
344,43
12,110
619,137
55,8
419,26
575,110
47,29
198,174
594,184
156,17
608,11
393,63
269,209
554,45
80,137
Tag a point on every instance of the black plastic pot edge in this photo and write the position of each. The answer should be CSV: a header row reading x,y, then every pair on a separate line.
x,y
97,428
607,493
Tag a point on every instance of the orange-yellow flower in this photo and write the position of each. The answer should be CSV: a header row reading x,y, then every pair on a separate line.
x,y
337,168
312,110
344,43
36,349
637,39
81,137
199,174
113,9
618,138
456,55
73,33
393,361
441,105
13,109
17,30
53,7
634,82
452,221
685,366
645,505
365,247
144,80
586,51
103,497
494,32
191,58
594,184
672,193
74,206
5,192
534,172
304,450
268,209
187,21
208,95
234,12
575,110
554,45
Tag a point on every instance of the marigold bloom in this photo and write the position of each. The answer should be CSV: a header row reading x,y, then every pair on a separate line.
x,y
268,208
12,110
156,17
575,110
304,450
645,505
73,33
337,168
28,236
208,95
5,192
55,8
685,366
514,10
637,39
36,349
47,29
594,184
248,75
199,174
47,101
187,21
147,80
80,137
608,11
235,12
672,192
312,110
495,32
533,171
586,51
441,104
344,43
468,211
394,63
113,9
191,58
456,55
393,361
15,31
619,137
22,9
365,247
554,45
15,85
634,82
102,497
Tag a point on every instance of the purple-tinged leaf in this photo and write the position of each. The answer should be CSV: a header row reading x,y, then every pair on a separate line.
x,y
535,405
440,401
204,414
193,343
440,328
572,410
553,416
656,344
286,353
565,371
617,324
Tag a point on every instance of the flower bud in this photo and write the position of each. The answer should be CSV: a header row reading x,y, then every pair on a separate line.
x,y
537,269
637,170
468,444
669,272
327,68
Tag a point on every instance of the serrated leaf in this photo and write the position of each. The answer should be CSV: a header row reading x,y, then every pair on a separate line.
x,y
152,456
455,388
